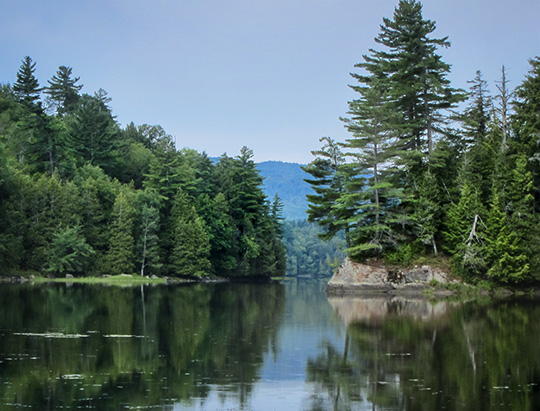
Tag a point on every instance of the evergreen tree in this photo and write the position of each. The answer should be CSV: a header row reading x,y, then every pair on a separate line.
x,y
526,122
221,233
373,207
94,134
464,235
328,181
509,262
63,90
120,255
26,87
69,252
191,246
414,75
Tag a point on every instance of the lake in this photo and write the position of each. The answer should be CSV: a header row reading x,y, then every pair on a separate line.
x,y
262,347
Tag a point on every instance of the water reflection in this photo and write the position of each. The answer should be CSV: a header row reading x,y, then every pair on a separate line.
x,y
414,354
112,348
262,347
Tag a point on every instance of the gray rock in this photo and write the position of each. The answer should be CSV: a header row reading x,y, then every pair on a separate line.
x,y
376,278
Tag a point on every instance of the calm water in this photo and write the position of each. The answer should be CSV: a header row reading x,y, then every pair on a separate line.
x,y
262,347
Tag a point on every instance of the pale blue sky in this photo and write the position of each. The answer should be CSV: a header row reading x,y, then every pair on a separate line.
x,y
271,75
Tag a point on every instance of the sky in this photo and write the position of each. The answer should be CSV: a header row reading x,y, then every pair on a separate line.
x,y
272,75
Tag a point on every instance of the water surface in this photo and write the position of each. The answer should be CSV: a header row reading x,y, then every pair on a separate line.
x,y
262,347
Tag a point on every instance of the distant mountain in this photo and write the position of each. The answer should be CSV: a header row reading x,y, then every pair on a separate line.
x,y
287,180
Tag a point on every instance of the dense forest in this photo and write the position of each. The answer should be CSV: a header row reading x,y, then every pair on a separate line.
x,y
430,170
80,195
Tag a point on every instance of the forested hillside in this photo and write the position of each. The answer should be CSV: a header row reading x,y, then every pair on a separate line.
x,y
81,195
287,181
451,172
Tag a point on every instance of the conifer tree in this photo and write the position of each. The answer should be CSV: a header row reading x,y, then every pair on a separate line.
x,y
191,246
94,134
63,90
26,87
69,252
508,259
328,180
526,122
120,255
372,207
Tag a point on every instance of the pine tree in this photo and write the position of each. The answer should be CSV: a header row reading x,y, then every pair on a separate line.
x,y
328,181
414,75
221,233
63,90
94,134
371,206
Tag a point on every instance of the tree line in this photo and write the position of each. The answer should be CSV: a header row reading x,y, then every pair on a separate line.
x,y
81,195
429,169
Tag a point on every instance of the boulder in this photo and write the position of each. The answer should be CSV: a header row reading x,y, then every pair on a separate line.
x,y
354,278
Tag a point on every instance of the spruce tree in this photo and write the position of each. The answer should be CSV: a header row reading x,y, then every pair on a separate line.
x,y
507,257
526,122
26,87
120,256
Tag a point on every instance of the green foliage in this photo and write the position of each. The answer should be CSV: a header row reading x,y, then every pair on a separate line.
x,y
69,252
410,185
26,87
63,90
191,245
76,176
120,255
307,253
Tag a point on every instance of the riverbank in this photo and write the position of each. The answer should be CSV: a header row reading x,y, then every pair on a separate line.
x,y
127,280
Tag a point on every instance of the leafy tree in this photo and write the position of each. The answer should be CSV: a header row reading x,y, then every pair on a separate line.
x,y
147,246
63,90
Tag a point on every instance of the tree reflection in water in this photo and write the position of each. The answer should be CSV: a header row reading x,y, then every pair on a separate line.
x,y
414,354
109,348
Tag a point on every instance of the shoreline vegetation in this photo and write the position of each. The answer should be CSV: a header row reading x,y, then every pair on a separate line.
x,y
432,170
82,196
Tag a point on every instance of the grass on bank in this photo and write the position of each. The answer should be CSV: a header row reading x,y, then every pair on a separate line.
x,y
122,280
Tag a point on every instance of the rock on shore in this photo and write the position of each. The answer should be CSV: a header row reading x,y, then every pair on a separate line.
x,y
354,278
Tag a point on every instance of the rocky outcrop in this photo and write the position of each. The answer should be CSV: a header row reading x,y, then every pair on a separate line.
x,y
354,278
